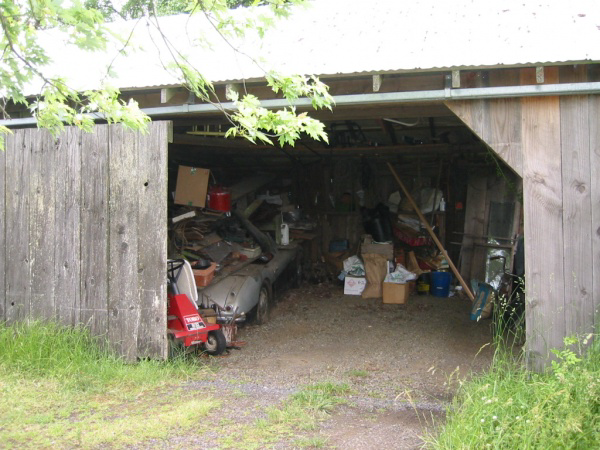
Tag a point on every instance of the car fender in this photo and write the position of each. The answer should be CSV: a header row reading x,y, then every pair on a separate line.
x,y
238,292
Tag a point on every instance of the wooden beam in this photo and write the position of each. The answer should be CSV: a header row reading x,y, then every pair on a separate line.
x,y
377,80
210,142
496,122
455,79
167,94
388,129
539,74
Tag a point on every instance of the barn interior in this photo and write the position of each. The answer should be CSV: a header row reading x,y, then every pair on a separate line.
x,y
331,195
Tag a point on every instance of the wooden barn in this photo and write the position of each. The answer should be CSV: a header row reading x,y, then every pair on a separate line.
x,y
497,105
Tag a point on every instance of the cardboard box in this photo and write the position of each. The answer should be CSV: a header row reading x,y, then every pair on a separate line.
x,y
395,293
354,285
335,261
192,186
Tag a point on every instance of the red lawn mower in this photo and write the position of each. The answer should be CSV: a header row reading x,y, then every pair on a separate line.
x,y
186,328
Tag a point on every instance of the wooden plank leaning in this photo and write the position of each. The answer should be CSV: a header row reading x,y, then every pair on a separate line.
x,y
432,234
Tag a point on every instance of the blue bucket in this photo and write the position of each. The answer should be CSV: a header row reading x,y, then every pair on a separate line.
x,y
440,283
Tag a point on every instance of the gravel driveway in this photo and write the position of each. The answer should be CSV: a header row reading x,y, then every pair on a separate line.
x,y
402,363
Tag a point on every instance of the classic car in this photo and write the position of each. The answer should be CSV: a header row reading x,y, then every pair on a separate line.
x,y
248,291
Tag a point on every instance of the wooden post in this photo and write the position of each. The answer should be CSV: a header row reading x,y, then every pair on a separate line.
x,y
432,234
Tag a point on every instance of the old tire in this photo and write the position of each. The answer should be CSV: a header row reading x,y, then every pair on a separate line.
x,y
216,343
263,307
298,273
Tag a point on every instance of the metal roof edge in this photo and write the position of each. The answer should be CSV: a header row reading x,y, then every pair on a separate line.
x,y
374,98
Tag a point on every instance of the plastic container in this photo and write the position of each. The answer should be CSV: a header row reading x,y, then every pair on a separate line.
x,y
251,252
423,283
203,277
219,199
440,283
338,245
285,234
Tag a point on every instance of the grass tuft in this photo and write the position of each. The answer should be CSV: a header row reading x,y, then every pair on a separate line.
x,y
310,442
359,373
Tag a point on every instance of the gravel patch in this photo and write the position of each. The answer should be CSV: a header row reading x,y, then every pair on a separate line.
x,y
401,363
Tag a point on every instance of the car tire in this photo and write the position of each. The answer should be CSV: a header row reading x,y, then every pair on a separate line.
x,y
216,343
263,307
298,273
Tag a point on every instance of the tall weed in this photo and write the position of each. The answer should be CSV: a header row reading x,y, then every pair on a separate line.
x,y
510,407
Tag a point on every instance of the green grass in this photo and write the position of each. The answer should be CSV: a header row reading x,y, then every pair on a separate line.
x,y
510,407
300,413
310,442
59,387
360,373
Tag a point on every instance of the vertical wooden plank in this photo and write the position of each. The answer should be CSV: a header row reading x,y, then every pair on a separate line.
x,y
577,214
93,311
497,123
151,183
123,292
474,114
41,222
3,232
505,131
18,286
544,244
474,221
67,254
594,113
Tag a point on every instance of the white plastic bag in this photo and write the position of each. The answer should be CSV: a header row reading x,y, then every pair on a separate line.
x,y
400,275
354,266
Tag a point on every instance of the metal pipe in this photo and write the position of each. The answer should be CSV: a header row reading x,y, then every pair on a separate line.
x,y
376,98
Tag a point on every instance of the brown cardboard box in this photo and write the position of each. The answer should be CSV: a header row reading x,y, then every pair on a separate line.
x,y
395,293
335,261
192,185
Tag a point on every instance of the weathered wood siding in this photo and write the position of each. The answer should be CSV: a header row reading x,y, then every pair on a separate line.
x,y
554,143
83,232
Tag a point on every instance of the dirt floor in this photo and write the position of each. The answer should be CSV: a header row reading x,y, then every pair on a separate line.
x,y
402,363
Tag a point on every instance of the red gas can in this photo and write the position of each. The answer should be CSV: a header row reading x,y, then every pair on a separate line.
x,y
219,198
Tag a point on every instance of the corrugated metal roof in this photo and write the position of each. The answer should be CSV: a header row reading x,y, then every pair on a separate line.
x,y
355,36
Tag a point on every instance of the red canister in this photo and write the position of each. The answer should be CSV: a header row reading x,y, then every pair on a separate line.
x,y
219,198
